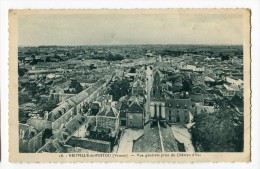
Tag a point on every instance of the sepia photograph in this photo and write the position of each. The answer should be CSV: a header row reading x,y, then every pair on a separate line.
x,y
168,85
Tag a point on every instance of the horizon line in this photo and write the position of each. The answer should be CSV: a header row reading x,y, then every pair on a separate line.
x,y
131,45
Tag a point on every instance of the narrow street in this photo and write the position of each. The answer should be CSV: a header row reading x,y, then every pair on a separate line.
x,y
183,136
129,136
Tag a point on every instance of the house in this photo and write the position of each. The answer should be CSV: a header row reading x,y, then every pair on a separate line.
x,y
209,109
235,81
94,108
61,114
209,99
104,99
138,88
197,99
105,125
172,110
209,81
40,58
108,117
28,59
201,89
122,107
30,139
135,115
177,111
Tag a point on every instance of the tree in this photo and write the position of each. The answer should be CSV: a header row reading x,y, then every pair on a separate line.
x,y
76,85
22,71
238,100
49,106
47,133
92,66
132,70
32,88
119,88
23,116
176,87
224,57
186,85
219,132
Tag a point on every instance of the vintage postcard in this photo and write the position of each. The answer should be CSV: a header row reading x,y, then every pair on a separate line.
x,y
142,85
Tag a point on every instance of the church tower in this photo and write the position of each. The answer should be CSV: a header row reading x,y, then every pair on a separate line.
x,y
157,102
156,92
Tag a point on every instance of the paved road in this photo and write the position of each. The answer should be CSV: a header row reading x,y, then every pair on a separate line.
x,y
126,143
183,136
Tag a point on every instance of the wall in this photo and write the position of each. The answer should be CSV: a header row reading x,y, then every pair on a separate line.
x,y
56,125
152,109
81,132
39,124
23,146
35,143
137,120
59,97
107,122
234,81
182,113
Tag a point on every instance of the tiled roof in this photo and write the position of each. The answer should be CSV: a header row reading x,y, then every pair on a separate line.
x,y
74,123
197,97
58,111
76,99
178,103
107,110
94,105
138,84
135,107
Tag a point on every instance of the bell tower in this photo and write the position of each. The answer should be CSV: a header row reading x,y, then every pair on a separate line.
x,y
156,92
157,102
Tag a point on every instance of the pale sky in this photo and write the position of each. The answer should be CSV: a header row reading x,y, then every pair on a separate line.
x,y
116,29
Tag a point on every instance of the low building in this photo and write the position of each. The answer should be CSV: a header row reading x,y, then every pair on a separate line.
x,y
105,125
122,107
30,139
177,111
135,115
197,99
234,81
138,88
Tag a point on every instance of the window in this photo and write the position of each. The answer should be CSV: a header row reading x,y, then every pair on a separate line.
x,y
170,115
130,123
123,123
186,119
130,116
160,111
155,111
178,118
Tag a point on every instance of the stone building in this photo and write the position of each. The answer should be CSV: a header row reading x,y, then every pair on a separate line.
x,y
30,139
135,115
165,109
157,101
105,125
178,110
138,88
